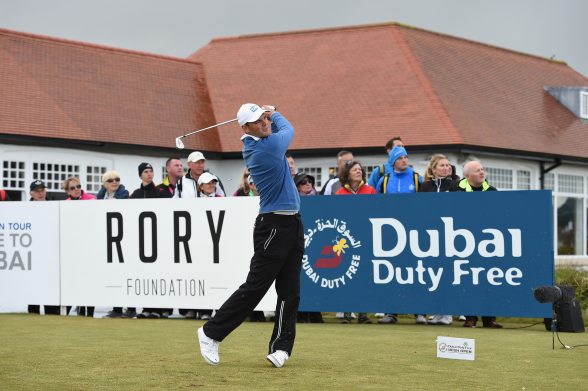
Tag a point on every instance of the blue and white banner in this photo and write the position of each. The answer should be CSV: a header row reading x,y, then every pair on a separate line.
x,y
29,253
477,253
433,253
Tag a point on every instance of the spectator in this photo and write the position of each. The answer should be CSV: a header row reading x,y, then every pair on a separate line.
x,y
207,185
291,164
334,184
383,168
38,192
475,180
252,187
243,189
398,177
73,188
4,195
112,189
305,186
175,170
437,178
149,190
187,186
352,178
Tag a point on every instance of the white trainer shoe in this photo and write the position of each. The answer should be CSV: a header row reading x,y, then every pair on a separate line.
x,y
445,320
420,319
208,348
278,358
434,320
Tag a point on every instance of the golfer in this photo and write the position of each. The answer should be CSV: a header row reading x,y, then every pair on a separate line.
x,y
278,238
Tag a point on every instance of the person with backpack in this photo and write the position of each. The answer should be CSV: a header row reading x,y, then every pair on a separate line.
x,y
381,169
398,176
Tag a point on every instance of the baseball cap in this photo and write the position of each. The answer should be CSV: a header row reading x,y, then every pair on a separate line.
x,y
195,156
206,177
37,184
249,112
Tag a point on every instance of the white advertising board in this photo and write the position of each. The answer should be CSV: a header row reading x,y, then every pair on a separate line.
x,y
29,253
163,253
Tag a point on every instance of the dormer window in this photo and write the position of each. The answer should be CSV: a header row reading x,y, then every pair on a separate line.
x,y
584,104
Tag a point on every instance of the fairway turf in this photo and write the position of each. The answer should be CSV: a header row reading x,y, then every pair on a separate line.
x,y
71,353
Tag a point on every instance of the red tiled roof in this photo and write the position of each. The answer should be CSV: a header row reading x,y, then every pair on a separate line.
x,y
67,90
341,88
359,86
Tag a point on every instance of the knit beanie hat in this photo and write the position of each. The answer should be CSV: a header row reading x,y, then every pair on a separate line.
x,y
143,167
395,153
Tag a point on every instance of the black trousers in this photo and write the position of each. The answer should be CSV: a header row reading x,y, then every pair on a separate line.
x,y
278,242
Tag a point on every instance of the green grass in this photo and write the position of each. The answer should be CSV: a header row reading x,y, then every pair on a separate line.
x,y
69,353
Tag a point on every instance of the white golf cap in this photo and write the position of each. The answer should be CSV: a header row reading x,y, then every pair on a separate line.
x,y
195,156
249,112
206,177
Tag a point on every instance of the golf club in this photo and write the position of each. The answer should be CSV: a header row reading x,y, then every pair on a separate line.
x,y
180,143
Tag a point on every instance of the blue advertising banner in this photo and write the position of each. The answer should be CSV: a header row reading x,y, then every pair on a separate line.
x,y
480,253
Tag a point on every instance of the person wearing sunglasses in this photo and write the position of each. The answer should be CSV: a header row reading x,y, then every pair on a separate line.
x,y
112,189
73,188
305,184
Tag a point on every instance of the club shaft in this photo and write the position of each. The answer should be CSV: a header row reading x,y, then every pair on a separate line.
x,y
210,127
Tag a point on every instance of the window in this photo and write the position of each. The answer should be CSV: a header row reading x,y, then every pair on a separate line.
x,y
316,172
570,184
13,175
548,181
163,173
570,220
584,104
523,180
501,178
94,178
53,174
369,170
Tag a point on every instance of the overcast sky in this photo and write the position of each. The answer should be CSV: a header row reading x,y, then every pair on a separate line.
x,y
179,27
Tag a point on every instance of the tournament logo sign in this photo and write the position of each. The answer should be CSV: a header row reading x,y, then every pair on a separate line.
x,y
331,259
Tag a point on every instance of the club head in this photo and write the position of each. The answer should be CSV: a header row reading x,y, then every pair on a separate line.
x,y
179,143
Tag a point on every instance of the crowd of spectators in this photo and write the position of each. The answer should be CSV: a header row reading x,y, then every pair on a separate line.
x,y
395,175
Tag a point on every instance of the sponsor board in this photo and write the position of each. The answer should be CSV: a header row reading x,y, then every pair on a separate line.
x,y
29,253
441,253
186,253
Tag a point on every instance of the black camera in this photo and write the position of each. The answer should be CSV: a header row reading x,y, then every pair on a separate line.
x,y
554,294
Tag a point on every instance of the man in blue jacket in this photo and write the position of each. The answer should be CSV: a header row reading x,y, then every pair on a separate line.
x,y
278,238
401,178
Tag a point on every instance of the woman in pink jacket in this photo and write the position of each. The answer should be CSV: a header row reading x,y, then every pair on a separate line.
x,y
73,188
